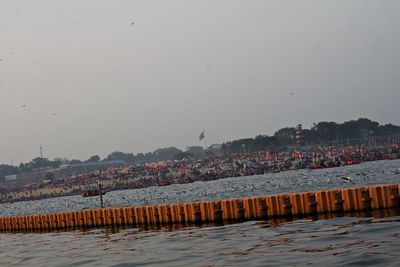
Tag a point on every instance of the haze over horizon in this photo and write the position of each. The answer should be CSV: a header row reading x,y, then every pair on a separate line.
x,y
79,79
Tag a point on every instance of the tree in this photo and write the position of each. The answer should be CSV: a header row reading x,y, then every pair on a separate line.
x,y
75,161
8,170
195,150
183,155
94,158
286,135
127,157
49,176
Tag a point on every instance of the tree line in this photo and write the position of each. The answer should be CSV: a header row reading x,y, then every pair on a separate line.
x,y
354,132
361,131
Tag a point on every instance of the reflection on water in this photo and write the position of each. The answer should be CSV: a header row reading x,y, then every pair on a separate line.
x,y
341,241
371,238
290,181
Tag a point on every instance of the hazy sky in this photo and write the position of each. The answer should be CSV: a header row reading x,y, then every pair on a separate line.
x,y
225,66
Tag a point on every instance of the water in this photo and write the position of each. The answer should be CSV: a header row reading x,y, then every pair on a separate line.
x,y
351,240
378,172
344,241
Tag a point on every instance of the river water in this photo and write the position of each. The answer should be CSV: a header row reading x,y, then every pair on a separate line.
x,y
352,240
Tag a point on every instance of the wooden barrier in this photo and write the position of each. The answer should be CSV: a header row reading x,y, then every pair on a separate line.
x,y
377,197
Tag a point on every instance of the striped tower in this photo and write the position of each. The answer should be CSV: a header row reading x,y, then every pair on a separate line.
x,y
298,135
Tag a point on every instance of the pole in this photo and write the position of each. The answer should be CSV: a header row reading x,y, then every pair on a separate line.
x,y
101,195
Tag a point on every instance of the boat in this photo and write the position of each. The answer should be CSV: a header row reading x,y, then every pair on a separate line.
x,y
91,192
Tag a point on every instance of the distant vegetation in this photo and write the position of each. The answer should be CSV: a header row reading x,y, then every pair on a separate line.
x,y
355,132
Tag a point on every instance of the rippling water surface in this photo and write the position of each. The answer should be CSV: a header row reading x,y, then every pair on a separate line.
x,y
352,240
344,241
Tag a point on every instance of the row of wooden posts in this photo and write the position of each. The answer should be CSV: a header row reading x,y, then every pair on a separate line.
x,y
248,208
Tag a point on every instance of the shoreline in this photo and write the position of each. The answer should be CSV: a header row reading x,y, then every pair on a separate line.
x,y
54,192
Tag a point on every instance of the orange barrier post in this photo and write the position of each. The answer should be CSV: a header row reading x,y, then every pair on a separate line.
x,y
110,216
38,223
232,209
205,211
384,196
250,209
284,205
121,215
227,209
216,211
63,219
141,216
329,201
70,219
89,220
238,209
116,216
210,211
96,217
7,224
19,221
279,206
52,222
82,218
356,199
177,213
303,203
79,219
261,208
46,221
24,224
255,208
187,209
152,215
128,216
195,212
165,214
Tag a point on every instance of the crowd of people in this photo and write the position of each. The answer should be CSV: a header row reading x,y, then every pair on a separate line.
x,y
201,169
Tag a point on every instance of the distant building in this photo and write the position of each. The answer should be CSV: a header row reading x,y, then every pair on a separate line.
x,y
60,173
9,178
88,167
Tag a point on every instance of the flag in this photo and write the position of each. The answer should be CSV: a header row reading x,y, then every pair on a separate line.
x,y
202,135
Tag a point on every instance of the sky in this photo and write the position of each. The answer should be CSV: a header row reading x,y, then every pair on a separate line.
x,y
79,79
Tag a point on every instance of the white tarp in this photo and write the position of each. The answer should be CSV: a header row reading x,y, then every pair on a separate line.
x,y
12,177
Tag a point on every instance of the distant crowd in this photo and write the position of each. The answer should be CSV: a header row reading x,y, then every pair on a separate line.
x,y
204,169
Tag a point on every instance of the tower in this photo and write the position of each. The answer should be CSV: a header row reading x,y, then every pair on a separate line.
x,y
298,135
